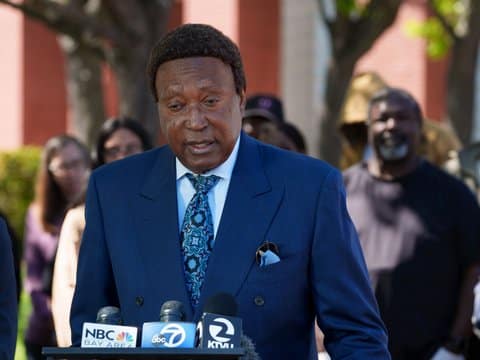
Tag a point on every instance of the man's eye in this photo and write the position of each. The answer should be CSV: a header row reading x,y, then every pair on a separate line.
x,y
174,106
210,101
380,119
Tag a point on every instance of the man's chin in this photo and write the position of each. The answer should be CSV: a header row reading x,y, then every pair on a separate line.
x,y
200,167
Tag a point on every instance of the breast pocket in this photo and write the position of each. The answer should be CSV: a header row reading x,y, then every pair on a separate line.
x,y
288,268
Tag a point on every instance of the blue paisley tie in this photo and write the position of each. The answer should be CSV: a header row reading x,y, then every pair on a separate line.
x,y
197,235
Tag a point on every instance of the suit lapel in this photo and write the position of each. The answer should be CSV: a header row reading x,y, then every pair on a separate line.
x,y
250,205
157,227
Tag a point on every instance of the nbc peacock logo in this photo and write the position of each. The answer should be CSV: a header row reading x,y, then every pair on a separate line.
x,y
124,337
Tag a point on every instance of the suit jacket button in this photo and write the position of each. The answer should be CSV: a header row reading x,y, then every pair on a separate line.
x,y
259,301
139,301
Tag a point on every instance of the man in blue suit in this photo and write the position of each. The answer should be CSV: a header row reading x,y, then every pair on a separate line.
x,y
271,225
8,296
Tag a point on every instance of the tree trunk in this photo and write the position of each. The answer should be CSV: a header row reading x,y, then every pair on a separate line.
x,y
129,66
461,77
350,38
338,79
84,90
135,99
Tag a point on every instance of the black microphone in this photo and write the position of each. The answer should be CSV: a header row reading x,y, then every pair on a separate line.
x,y
171,331
218,327
108,331
109,315
172,311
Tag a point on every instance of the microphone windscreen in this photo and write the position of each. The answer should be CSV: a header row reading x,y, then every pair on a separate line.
x,y
221,303
172,310
247,344
109,315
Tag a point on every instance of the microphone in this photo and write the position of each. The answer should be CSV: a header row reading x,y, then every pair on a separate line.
x,y
247,344
171,331
218,327
108,331
109,315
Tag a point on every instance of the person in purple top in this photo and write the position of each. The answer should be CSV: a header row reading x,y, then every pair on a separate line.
x,y
62,179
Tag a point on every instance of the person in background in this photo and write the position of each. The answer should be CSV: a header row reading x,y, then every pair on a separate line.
x,y
260,108
420,234
296,137
118,138
62,178
437,142
8,296
264,121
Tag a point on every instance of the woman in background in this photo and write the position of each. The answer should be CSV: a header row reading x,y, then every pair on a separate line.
x,y
118,138
62,177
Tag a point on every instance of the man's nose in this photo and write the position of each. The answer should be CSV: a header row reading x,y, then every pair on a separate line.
x,y
196,119
391,122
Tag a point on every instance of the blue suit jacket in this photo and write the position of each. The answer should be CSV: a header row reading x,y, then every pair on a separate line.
x,y
130,254
8,296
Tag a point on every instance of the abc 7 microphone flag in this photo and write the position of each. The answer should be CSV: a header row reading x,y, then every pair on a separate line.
x,y
171,331
168,335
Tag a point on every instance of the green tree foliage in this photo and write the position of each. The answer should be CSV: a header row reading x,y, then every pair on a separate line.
x,y
438,40
454,28
449,16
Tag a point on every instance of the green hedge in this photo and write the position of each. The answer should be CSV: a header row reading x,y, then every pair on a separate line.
x,y
18,171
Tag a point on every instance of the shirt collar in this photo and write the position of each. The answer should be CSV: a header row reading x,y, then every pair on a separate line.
x,y
223,171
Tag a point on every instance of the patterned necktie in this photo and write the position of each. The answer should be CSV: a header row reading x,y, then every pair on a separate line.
x,y
197,235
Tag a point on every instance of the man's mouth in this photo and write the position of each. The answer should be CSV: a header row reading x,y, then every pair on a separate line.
x,y
200,147
393,146
392,139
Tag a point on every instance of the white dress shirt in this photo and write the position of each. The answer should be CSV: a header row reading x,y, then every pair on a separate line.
x,y
216,196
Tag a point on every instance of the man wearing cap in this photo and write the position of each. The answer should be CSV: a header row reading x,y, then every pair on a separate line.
x,y
264,120
264,106
217,211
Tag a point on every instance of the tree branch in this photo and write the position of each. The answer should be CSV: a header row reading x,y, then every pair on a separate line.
x,y
378,16
128,15
448,28
71,21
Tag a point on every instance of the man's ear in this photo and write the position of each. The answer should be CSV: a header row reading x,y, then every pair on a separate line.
x,y
243,100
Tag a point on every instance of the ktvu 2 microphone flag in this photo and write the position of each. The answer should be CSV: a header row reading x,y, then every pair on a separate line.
x,y
219,331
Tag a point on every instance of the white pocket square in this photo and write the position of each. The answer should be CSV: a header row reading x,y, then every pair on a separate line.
x,y
268,258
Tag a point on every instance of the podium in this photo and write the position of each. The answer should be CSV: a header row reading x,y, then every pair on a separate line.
x,y
51,353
